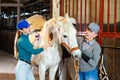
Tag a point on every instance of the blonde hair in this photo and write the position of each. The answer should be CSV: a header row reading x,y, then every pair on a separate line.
x,y
18,33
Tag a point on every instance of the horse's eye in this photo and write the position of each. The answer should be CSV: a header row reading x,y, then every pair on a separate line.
x,y
64,36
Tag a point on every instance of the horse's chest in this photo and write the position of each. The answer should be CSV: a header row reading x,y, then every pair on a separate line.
x,y
52,56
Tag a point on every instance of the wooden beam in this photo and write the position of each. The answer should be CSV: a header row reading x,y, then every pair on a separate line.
x,y
10,5
31,4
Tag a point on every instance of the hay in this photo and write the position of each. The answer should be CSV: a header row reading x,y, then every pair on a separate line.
x,y
37,21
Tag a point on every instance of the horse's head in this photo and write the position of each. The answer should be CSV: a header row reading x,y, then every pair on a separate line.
x,y
68,36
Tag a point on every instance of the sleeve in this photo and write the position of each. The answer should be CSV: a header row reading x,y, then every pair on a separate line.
x,y
29,47
96,56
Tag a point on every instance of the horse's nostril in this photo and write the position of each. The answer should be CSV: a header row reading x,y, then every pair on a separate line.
x,y
65,36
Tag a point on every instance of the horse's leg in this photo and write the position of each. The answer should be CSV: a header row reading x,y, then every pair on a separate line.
x,y
42,72
52,72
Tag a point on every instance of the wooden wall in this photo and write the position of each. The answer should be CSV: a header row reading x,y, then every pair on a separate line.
x,y
7,40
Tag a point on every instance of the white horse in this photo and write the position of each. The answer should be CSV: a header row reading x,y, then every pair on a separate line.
x,y
60,31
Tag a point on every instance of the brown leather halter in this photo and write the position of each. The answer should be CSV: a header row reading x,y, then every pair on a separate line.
x,y
68,47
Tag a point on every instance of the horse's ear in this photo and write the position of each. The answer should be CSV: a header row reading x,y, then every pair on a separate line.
x,y
71,20
67,18
66,15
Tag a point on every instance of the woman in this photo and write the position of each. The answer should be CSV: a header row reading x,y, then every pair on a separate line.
x,y
90,54
25,50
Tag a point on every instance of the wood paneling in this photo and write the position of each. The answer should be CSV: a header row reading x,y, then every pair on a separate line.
x,y
112,57
7,40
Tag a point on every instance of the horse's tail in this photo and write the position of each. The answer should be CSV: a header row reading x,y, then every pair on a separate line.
x,y
18,33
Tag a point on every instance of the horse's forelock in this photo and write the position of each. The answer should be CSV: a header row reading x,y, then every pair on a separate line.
x,y
68,25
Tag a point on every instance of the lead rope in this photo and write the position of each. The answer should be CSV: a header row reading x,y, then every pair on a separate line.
x,y
76,67
102,74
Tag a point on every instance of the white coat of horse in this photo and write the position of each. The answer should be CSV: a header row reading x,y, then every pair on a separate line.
x,y
62,32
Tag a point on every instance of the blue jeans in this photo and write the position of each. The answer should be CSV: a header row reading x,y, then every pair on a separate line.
x,y
89,75
23,71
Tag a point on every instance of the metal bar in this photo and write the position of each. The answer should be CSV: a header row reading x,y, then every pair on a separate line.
x,y
90,11
115,13
76,15
108,16
101,16
95,10
61,7
81,15
85,15
111,35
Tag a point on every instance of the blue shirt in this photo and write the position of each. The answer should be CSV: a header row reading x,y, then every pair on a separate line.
x,y
25,48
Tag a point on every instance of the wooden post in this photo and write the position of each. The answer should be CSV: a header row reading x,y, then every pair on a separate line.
x,y
55,8
18,10
0,8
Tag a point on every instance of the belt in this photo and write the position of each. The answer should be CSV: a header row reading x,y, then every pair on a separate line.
x,y
26,61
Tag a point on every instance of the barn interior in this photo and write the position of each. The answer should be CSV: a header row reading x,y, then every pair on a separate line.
x,y
84,12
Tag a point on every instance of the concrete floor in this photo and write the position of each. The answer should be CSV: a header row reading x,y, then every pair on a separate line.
x,y
7,65
7,62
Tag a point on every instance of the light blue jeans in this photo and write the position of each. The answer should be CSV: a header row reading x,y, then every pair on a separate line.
x,y
23,71
89,75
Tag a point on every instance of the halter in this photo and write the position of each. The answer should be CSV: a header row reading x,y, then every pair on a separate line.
x,y
69,48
